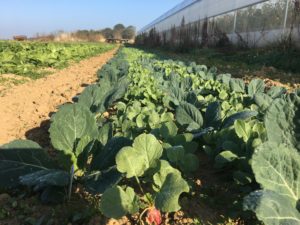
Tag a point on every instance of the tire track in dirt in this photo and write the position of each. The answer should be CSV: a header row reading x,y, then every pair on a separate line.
x,y
25,109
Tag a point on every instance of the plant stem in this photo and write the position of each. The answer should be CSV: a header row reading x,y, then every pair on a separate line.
x,y
139,183
71,182
141,215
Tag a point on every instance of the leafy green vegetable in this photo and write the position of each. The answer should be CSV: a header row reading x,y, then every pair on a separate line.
x,y
213,115
152,106
256,86
225,158
282,123
229,121
243,130
164,169
105,133
93,96
275,176
116,202
106,157
175,154
98,182
263,101
272,208
28,58
276,92
178,156
277,169
168,129
170,190
45,178
71,123
188,114
146,150
20,158
237,85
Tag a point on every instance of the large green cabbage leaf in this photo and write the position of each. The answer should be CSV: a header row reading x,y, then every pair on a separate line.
x,y
272,208
256,86
71,123
144,154
187,114
20,158
282,122
277,170
116,202
170,185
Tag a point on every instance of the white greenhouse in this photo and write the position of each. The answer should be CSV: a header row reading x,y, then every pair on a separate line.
x,y
258,22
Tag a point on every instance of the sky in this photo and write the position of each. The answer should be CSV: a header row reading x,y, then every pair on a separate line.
x,y
29,17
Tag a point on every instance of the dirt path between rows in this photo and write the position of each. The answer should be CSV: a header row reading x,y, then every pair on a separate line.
x,y
26,107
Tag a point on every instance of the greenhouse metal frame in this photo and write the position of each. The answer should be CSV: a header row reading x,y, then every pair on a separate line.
x,y
271,19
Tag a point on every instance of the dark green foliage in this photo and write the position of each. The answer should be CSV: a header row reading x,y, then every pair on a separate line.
x,y
20,158
98,182
106,157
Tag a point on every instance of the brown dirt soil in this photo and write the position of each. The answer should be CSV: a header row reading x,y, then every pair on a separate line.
x,y
7,81
25,107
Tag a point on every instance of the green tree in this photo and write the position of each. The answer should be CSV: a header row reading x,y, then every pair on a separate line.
x,y
129,33
107,33
118,29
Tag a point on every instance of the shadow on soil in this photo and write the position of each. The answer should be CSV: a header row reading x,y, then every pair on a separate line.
x,y
40,134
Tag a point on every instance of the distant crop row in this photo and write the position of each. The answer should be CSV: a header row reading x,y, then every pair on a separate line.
x,y
135,137
29,58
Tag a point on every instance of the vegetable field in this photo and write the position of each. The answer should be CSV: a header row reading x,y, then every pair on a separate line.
x,y
279,64
30,58
166,142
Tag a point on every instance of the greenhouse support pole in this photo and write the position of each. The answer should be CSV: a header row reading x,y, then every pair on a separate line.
x,y
286,14
234,22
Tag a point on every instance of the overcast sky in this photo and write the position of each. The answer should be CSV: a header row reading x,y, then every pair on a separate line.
x,y
28,17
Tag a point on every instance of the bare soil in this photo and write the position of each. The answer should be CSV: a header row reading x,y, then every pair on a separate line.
x,y
8,81
26,107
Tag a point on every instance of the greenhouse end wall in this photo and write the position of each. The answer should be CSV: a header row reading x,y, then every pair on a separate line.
x,y
253,22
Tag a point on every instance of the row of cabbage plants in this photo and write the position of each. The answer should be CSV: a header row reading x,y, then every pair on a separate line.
x,y
134,137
